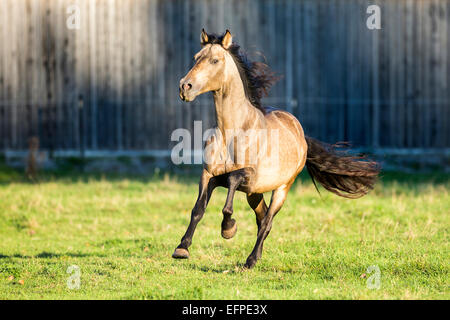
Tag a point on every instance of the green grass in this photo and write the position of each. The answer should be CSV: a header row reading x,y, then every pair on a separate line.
x,y
122,230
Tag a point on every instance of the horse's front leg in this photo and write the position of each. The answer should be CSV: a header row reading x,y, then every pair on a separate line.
x,y
278,198
235,179
206,187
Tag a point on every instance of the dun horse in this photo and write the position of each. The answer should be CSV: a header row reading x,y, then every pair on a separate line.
x,y
238,85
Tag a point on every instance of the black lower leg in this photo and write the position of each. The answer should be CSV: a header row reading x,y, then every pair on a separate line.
x,y
234,180
257,250
206,188
278,197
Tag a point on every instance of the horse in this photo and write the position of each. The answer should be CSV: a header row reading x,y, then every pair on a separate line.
x,y
238,85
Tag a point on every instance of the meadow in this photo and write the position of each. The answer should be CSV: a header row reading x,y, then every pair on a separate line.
x,y
120,231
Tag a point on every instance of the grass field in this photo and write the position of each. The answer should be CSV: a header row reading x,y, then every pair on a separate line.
x,y
121,231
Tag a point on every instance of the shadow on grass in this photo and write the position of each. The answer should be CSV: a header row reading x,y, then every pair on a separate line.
x,y
237,267
49,255
70,175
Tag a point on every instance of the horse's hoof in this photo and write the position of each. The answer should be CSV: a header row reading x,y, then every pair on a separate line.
x,y
180,253
230,232
250,263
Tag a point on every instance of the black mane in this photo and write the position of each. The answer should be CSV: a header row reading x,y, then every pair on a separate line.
x,y
256,76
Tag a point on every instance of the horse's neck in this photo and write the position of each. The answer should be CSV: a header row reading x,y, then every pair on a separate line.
x,y
234,111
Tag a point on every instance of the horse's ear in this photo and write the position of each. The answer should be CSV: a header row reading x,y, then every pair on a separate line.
x,y
203,37
227,39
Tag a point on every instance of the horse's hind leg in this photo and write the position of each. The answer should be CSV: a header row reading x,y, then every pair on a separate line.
x,y
257,203
234,180
206,187
278,198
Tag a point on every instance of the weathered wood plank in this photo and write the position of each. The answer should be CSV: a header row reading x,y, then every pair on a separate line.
x,y
3,102
384,88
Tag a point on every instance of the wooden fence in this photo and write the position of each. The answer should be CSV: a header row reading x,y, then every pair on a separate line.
x,y
112,84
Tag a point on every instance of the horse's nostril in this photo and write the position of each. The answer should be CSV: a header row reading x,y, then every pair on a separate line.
x,y
187,86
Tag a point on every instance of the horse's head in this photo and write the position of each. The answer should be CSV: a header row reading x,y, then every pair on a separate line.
x,y
212,64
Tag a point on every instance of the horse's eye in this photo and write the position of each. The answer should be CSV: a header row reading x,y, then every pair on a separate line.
x,y
214,61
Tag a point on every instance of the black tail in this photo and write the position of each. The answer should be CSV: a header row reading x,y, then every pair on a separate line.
x,y
345,175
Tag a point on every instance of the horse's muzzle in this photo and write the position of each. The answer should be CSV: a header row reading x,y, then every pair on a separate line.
x,y
185,88
181,95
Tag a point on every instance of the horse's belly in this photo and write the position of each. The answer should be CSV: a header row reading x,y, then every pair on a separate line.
x,y
270,176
